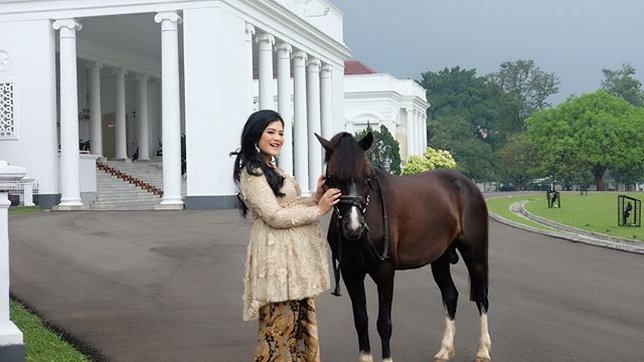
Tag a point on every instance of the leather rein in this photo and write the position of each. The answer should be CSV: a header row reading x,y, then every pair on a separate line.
x,y
362,203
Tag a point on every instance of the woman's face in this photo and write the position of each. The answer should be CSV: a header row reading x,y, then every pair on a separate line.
x,y
272,139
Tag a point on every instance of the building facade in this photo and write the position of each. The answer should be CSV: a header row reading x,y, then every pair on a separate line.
x,y
131,77
382,99
125,80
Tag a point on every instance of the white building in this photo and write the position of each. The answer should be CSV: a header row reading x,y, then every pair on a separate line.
x,y
381,99
132,76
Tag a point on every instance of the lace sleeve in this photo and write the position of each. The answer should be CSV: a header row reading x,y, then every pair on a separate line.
x,y
305,201
259,197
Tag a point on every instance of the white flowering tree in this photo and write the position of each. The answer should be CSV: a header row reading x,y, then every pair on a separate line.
x,y
430,160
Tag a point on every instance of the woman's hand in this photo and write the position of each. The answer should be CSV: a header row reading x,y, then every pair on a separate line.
x,y
320,189
329,199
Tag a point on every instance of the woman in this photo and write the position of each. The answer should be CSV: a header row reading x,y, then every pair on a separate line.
x,y
286,259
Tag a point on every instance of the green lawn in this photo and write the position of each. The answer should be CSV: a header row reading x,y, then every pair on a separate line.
x,y
596,212
24,210
41,344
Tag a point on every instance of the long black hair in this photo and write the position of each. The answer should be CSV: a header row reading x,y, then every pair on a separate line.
x,y
248,156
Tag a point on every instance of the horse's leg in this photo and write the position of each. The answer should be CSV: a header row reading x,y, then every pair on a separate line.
x,y
354,280
384,278
443,278
475,258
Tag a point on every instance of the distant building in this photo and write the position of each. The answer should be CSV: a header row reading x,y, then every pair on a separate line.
x,y
382,99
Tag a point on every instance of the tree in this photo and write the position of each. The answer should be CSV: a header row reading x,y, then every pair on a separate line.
x,y
519,160
593,132
470,117
385,150
622,83
460,92
527,84
474,157
430,160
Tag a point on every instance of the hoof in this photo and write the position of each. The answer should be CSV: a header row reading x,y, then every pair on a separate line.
x,y
387,360
365,357
444,355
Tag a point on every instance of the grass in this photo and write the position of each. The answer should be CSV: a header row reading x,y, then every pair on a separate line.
x,y
500,206
595,212
24,210
41,344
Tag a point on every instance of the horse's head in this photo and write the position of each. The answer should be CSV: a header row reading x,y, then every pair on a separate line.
x,y
348,170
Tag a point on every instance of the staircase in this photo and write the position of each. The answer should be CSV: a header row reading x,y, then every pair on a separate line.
x,y
129,186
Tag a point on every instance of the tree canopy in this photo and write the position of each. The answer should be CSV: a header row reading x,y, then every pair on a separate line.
x,y
527,84
471,117
622,83
520,160
385,150
590,133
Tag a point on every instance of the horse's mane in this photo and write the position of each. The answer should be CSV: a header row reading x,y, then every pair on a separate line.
x,y
348,160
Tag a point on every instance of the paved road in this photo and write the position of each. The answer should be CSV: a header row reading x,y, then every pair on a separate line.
x,y
166,286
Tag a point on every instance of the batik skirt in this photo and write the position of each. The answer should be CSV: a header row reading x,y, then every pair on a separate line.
x,y
288,332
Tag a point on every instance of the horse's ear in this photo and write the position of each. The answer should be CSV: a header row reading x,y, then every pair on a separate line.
x,y
326,144
366,141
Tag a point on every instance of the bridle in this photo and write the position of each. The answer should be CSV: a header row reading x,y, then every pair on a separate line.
x,y
362,203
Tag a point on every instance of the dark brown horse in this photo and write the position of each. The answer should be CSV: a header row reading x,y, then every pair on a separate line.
x,y
385,223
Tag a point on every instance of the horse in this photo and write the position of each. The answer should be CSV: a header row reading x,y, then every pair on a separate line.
x,y
385,223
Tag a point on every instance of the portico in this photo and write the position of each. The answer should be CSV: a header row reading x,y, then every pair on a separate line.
x,y
132,79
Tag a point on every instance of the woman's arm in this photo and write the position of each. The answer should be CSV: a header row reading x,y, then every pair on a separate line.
x,y
259,197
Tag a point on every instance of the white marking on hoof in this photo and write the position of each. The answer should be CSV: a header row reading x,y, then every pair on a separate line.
x,y
485,343
387,360
365,357
447,350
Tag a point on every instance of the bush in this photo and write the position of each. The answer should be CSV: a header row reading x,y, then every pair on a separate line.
x,y
430,160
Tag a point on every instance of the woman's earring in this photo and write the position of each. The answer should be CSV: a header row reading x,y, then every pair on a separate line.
x,y
257,149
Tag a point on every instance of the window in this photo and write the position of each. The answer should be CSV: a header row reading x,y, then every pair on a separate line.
x,y
7,111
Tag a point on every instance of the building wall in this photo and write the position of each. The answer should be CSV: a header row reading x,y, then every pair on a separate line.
x,y
31,47
214,115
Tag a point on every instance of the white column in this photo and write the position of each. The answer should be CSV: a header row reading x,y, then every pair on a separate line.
x,y
95,117
170,110
250,32
9,333
28,191
155,115
411,144
423,123
326,101
300,134
284,104
144,119
419,122
265,43
313,115
69,159
120,127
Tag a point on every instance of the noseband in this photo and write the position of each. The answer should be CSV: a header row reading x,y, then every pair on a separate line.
x,y
351,200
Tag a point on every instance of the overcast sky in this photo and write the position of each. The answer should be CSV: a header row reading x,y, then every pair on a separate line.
x,y
575,39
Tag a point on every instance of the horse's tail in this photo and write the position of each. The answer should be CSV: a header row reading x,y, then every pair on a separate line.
x,y
474,239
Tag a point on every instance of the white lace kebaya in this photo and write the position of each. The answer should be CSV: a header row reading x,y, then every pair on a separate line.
x,y
286,258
